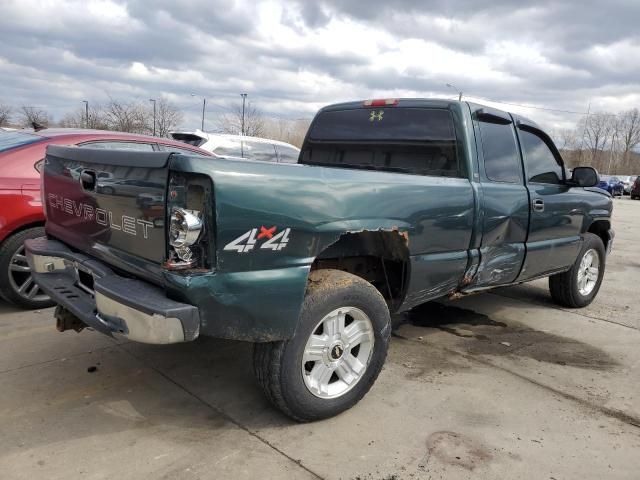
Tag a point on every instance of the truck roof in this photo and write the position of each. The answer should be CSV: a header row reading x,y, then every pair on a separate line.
x,y
427,103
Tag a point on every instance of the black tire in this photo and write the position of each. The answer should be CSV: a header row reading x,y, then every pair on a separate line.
x,y
278,366
564,286
9,288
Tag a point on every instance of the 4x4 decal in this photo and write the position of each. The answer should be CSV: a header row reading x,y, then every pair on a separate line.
x,y
248,240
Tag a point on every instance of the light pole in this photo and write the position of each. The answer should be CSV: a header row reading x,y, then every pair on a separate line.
x,y
204,105
154,115
457,90
86,113
244,98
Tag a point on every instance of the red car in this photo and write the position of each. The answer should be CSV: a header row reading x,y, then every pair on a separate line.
x,y
21,217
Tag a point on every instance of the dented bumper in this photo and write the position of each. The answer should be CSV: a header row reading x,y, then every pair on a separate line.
x,y
106,301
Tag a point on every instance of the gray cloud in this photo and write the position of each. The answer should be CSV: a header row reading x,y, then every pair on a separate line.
x,y
558,54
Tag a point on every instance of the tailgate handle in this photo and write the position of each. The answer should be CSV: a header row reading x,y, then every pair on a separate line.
x,y
88,180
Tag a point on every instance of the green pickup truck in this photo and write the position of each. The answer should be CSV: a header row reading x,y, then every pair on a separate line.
x,y
393,203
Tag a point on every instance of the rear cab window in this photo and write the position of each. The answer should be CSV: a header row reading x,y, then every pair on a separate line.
x,y
414,140
499,149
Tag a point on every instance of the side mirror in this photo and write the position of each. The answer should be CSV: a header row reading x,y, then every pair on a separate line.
x,y
585,176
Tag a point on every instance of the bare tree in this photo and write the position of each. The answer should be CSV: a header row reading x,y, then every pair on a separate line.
x,y
567,142
168,117
78,118
33,115
254,123
127,116
5,114
290,131
598,132
629,127
565,139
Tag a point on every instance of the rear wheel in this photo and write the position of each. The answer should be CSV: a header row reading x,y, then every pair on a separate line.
x,y
579,286
16,282
335,355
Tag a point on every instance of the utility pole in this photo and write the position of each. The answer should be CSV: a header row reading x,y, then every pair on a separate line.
x,y
86,113
204,106
244,98
154,115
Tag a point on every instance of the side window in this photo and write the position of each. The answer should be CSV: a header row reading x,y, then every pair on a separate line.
x,y
229,148
287,154
262,151
500,152
542,166
186,151
118,145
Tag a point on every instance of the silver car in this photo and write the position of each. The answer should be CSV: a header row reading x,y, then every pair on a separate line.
x,y
627,180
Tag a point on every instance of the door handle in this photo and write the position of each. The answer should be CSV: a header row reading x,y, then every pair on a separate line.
x,y
538,205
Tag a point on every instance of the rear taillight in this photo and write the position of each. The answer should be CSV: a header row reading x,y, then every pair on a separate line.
x,y
381,102
185,227
189,218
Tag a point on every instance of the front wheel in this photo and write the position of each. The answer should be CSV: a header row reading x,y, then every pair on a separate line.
x,y
336,353
578,287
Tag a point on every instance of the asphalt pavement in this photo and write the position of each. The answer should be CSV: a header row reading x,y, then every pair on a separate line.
x,y
496,385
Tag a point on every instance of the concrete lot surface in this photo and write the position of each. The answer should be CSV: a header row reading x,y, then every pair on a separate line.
x,y
497,385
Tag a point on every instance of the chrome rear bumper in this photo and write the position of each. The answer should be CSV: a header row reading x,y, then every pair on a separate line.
x,y
106,301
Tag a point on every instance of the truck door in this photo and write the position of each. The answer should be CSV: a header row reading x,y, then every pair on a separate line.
x,y
505,201
556,213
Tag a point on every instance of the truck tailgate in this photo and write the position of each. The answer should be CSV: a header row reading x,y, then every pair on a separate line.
x,y
108,203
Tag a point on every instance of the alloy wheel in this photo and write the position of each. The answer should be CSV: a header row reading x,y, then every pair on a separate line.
x,y
21,279
338,352
588,272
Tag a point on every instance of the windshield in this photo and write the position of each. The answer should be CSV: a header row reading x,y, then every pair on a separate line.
x,y
10,140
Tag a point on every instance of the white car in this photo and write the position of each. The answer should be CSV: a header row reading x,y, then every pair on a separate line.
x,y
628,182
240,146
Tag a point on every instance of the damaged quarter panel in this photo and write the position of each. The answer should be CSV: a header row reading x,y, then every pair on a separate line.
x,y
315,206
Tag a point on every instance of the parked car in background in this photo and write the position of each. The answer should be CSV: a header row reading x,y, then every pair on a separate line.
x,y
240,146
613,185
627,183
635,189
21,217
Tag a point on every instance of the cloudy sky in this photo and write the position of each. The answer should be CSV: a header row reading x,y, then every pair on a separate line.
x,y
296,56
